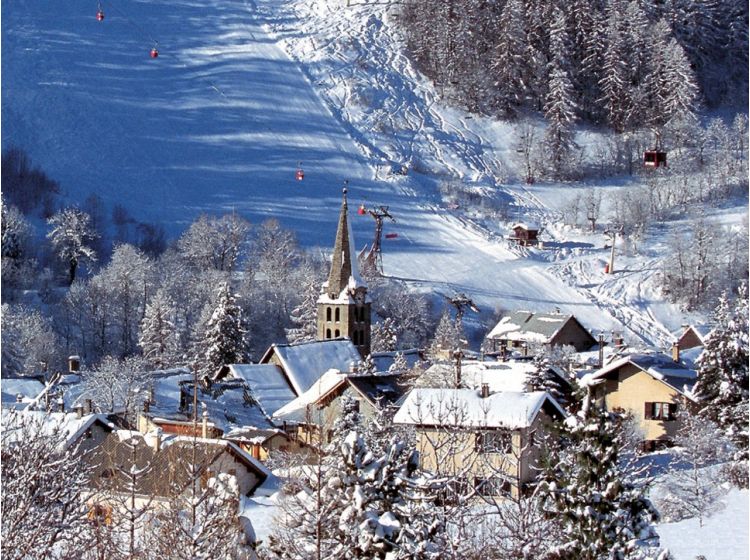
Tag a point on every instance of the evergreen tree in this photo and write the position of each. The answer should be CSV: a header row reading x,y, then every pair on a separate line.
x,y
224,341
599,511
447,336
384,336
542,378
158,338
722,386
305,315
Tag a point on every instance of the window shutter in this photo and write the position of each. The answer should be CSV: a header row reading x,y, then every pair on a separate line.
x,y
673,411
648,412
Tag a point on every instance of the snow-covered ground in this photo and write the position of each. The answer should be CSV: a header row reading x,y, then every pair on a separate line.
x,y
244,91
724,535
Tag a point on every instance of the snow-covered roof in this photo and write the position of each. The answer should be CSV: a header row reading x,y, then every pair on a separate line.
x,y
659,366
379,390
499,376
267,384
296,410
28,387
68,425
304,363
467,408
532,327
527,226
384,360
229,403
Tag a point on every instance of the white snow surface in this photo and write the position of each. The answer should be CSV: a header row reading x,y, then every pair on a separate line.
x,y
724,535
467,408
244,91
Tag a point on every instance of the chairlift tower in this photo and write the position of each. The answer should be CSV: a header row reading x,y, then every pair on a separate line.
x,y
374,257
461,302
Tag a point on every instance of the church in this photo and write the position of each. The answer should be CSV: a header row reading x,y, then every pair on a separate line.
x,y
344,305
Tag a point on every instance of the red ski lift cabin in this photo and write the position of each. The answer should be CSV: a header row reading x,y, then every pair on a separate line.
x,y
654,158
391,235
362,210
154,53
299,175
99,15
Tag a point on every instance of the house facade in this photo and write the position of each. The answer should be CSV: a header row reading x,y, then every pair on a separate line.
x,y
488,443
651,388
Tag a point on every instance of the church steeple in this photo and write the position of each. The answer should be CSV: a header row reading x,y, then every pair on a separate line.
x,y
341,263
343,305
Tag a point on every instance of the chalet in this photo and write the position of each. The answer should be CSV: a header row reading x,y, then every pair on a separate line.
x,y
167,468
692,336
489,440
524,329
525,233
260,444
651,387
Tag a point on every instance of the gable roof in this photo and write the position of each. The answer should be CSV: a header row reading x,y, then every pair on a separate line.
x,y
296,411
533,327
659,366
304,363
384,360
163,473
67,425
268,384
510,375
467,408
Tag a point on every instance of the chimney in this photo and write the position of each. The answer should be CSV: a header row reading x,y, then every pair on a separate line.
x,y
676,352
481,354
503,350
146,405
61,404
88,406
79,411
204,432
74,364
485,390
525,349
19,398
601,350
155,439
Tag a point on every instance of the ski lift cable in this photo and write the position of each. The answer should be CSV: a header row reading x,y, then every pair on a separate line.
x,y
140,30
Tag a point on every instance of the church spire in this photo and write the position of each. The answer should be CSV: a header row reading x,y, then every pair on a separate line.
x,y
341,263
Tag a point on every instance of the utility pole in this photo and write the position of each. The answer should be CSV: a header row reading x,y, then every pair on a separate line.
x,y
612,234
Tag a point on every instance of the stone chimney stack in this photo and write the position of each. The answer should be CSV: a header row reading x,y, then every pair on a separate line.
x,y
675,352
19,398
155,439
88,406
79,411
485,390
61,404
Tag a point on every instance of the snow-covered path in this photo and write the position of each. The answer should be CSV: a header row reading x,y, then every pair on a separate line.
x,y
241,92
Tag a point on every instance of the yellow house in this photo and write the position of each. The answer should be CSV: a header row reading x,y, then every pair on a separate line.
x,y
486,442
651,387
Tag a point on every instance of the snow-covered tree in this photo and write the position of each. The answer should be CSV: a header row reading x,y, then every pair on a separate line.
x,y
692,486
214,243
305,314
384,336
44,514
399,365
224,340
722,386
28,341
158,338
356,504
71,235
542,378
17,255
118,384
448,336
599,511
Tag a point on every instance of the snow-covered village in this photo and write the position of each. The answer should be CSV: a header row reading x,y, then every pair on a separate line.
x,y
397,279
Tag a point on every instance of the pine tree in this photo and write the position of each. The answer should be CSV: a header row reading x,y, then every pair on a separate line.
x,y
158,339
384,336
447,336
224,341
722,386
542,378
600,513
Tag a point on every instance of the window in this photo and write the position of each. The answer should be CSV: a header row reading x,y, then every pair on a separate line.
x,y
492,486
328,314
338,314
499,441
337,333
355,338
660,411
328,333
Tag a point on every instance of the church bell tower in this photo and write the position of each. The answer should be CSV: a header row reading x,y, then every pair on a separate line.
x,y
343,305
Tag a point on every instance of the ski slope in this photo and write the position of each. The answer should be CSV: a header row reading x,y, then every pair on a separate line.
x,y
242,92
